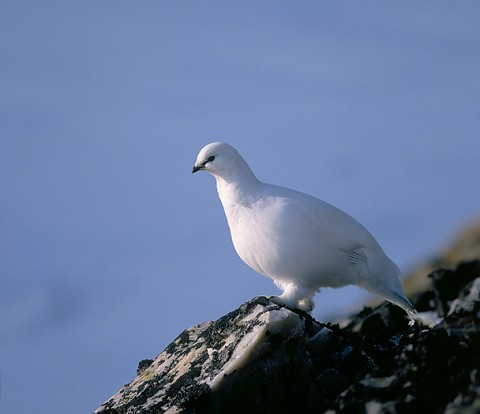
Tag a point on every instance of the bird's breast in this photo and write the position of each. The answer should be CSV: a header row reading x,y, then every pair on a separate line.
x,y
253,228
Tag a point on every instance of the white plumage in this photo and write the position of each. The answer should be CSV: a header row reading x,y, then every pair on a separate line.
x,y
299,241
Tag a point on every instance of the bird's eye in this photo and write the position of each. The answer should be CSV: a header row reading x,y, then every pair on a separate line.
x,y
211,158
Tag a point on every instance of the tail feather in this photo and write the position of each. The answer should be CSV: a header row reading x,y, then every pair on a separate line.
x,y
396,296
403,302
384,280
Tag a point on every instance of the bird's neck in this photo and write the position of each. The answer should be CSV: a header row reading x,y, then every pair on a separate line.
x,y
235,188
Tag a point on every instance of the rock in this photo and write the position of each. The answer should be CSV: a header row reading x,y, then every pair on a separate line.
x,y
463,247
216,364
319,343
143,365
264,358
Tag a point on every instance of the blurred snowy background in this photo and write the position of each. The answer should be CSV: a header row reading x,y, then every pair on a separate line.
x,y
109,247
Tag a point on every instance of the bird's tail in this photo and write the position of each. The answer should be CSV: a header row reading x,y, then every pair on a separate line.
x,y
403,302
386,283
397,297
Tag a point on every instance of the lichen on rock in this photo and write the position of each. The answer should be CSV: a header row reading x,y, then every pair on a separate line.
x,y
265,358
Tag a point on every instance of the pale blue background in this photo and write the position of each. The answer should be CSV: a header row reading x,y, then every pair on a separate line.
x,y
109,247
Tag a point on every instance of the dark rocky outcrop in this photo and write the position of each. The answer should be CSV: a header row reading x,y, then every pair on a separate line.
x,y
262,358
464,246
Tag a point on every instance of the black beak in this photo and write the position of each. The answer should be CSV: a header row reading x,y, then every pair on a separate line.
x,y
195,168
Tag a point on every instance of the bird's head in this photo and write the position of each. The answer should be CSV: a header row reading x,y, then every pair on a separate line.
x,y
220,160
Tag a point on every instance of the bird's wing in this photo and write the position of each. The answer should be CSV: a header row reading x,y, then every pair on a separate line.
x,y
330,224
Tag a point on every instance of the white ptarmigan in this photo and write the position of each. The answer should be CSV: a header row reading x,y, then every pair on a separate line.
x,y
299,241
